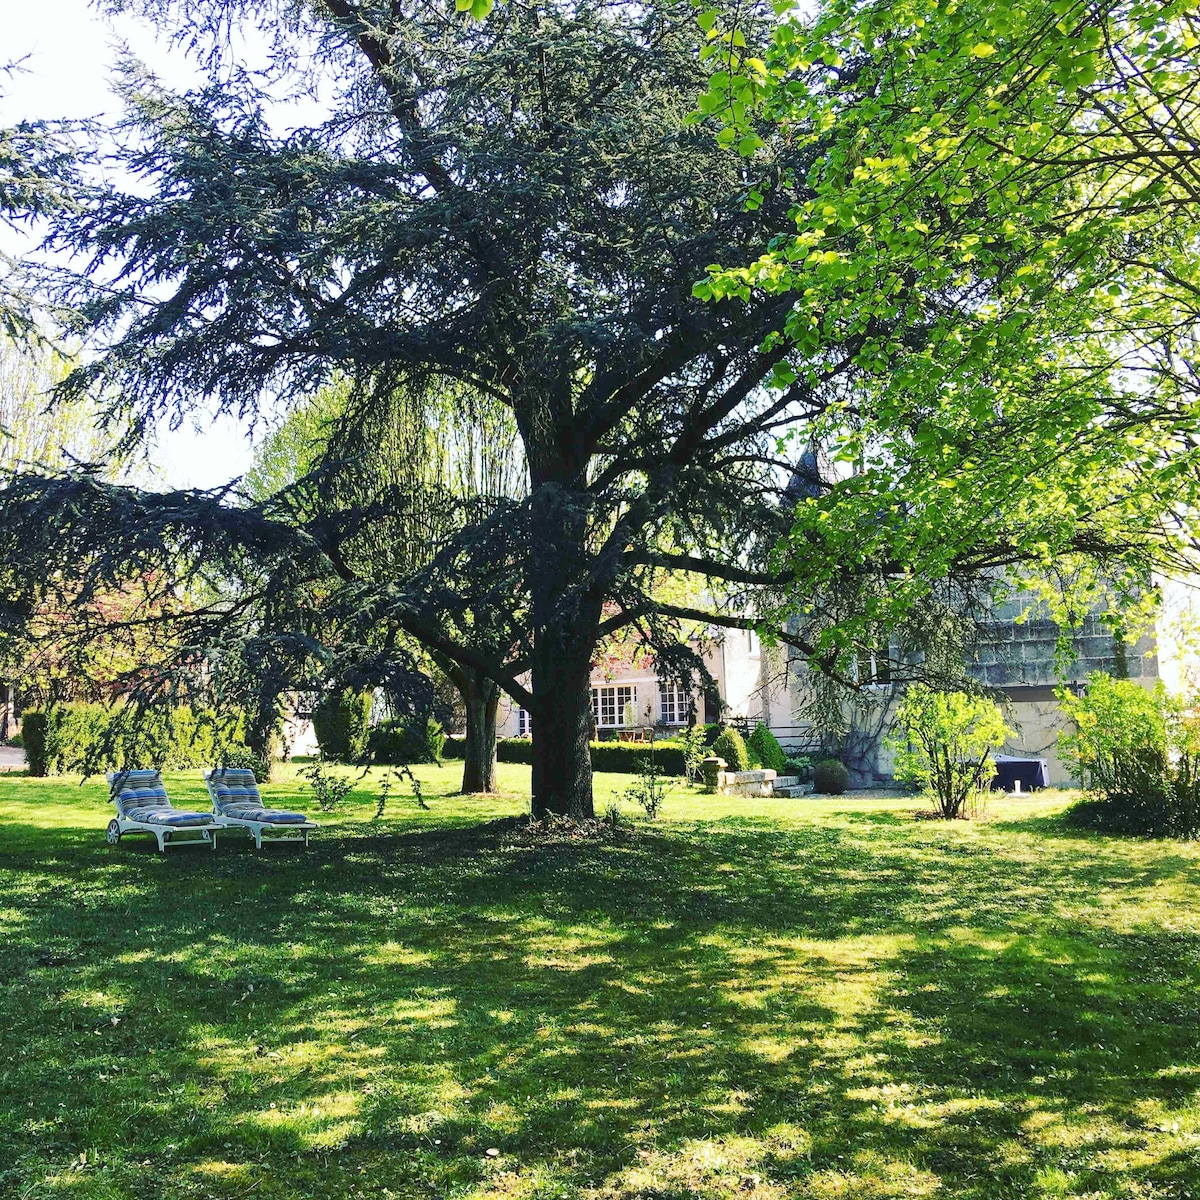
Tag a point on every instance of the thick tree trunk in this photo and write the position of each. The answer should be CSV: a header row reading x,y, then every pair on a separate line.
x,y
562,724
481,698
567,596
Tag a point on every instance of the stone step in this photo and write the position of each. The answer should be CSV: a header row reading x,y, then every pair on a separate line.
x,y
795,791
785,781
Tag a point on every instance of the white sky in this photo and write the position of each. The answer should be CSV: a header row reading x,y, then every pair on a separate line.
x,y
68,52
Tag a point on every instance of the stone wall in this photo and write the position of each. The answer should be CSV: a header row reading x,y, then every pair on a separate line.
x,y
1015,652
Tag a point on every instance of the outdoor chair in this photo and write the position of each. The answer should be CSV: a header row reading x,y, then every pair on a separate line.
x,y
143,807
237,805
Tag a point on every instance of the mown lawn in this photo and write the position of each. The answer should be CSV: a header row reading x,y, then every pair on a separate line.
x,y
747,998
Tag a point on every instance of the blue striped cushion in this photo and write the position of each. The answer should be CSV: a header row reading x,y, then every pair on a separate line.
x,y
274,816
141,796
235,794
132,798
155,815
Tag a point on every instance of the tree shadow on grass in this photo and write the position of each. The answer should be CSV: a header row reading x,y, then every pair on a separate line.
x,y
742,1010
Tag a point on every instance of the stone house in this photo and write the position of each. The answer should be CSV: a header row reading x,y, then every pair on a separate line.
x,y
630,695
1016,656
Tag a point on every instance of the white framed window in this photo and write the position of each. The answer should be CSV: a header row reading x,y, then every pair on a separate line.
x,y
873,667
672,704
613,707
524,729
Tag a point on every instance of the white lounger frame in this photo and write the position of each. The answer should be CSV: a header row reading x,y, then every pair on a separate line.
x,y
166,835
278,831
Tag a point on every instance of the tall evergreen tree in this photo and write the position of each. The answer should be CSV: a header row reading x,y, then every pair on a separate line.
x,y
519,204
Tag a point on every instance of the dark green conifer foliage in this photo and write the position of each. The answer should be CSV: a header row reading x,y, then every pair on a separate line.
x,y
516,204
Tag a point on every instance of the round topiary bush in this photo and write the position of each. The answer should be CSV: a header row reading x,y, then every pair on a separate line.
x,y
731,746
765,746
830,777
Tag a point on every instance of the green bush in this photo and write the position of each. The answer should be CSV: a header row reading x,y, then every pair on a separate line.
x,y
830,777
765,746
731,746
1138,754
943,742
397,743
241,758
341,721
328,787
435,739
799,765
35,730
648,788
625,757
91,738
619,757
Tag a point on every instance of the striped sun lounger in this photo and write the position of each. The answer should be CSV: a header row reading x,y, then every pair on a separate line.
x,y
237,805
143,807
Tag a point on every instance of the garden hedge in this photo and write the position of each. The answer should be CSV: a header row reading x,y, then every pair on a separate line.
x,y
396,743
623,757
91,738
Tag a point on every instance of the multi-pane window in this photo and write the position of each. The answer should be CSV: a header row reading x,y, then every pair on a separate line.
x,y
523,726
672,704
612,706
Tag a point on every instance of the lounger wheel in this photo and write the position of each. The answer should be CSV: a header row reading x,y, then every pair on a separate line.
x,y
112,834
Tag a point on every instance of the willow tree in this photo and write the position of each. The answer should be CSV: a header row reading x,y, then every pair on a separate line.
x,y
520,204
422,447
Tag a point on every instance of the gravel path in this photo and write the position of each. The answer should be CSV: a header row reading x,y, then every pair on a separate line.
x,y
11,759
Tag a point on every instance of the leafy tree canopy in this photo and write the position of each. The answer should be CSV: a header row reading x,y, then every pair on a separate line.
x,y
1002,219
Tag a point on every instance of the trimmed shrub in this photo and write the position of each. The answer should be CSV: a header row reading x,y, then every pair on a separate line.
x,y
515,750
91,738
341,721
35,730
623,758
765,746
731,746
830,777
397,743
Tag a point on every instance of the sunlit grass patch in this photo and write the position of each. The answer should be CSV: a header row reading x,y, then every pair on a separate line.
x,y
745,998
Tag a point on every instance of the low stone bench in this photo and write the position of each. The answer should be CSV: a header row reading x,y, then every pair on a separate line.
x,y
747,783
736,783
750,783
